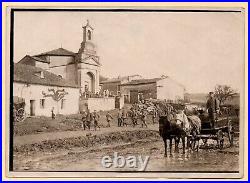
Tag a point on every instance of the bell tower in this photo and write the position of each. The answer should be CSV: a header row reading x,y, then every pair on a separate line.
x,y
87,32
87,60
87,44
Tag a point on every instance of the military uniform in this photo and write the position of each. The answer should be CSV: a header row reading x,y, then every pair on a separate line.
x,y
213,108
134,117
119,118
144,118
109,118
124,117
84,120
96,119
154,115
89,119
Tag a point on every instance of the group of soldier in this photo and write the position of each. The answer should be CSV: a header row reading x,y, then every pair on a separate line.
x,y
88,118
138,113
135,113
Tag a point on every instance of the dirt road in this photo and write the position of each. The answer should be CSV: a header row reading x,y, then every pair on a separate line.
x,y
144,142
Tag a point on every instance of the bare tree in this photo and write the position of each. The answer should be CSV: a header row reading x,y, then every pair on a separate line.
x,y
223,93
56,95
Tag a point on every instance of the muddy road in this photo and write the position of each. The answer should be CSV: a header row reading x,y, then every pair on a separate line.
x,y
89,158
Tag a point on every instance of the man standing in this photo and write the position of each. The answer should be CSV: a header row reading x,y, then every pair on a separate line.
x,y
96,119
124,117
119,118
84,120
134,117
144,118
52,113
109,118
154,117
89,118
213,108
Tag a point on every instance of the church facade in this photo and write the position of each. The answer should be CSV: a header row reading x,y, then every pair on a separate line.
x,y
81,68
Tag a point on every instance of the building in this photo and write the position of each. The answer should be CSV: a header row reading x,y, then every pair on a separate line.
x,y
75,76
81,68
43,91
163,88
113,84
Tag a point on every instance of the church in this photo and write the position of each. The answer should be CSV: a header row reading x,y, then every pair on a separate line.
x,y
56,80
81,68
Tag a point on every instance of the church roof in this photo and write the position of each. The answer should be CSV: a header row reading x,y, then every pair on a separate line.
x,y
32,75
58,52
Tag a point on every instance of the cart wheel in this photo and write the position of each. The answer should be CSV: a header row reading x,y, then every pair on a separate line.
x,y
20,115
230,133
220,139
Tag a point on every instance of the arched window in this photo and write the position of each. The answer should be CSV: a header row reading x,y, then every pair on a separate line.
x,y
89,35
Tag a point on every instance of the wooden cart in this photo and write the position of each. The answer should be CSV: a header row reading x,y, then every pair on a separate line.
x,y
223,129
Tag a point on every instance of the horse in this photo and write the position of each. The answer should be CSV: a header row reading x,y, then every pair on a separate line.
x,y
191,126
178,126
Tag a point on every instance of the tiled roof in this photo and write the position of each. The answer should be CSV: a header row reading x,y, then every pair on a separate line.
x,y
142,81
58,52
29,74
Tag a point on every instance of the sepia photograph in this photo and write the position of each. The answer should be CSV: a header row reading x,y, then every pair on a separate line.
x,y
154,90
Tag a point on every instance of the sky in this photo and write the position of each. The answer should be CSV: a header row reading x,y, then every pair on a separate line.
x,y
199,50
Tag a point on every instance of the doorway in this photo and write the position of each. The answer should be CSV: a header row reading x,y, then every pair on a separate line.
x,y
32,107
133,97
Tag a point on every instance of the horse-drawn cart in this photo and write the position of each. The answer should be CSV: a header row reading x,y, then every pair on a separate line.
x,y
223,129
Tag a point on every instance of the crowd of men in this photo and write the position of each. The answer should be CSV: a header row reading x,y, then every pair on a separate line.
x,y
138,116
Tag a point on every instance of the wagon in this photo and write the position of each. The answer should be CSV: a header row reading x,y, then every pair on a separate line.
x,y
223,129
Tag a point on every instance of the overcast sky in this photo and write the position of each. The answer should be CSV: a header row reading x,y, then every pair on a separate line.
x,y
198,50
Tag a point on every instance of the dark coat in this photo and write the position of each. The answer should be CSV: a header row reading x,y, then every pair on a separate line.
x,y
212,105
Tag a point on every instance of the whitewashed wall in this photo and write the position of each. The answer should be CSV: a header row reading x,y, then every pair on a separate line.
x,y
99,104
170,90
34,92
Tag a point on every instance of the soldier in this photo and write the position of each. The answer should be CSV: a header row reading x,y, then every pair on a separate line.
x,y
89,119
144,118
154,116
109,118
96,119
124,117
52,113
84,120
213,108
119,118
134,117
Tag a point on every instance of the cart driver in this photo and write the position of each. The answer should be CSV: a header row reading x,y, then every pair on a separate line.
x,y
212,108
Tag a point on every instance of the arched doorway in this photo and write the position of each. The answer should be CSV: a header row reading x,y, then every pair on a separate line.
x,y
89,83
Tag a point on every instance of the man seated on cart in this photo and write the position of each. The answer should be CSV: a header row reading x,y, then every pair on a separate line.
x,y
213,108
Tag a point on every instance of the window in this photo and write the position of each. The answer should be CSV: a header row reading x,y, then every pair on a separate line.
x,y
42,103
63,103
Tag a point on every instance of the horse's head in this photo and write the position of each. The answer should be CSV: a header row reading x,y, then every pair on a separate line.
x,y
182,120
